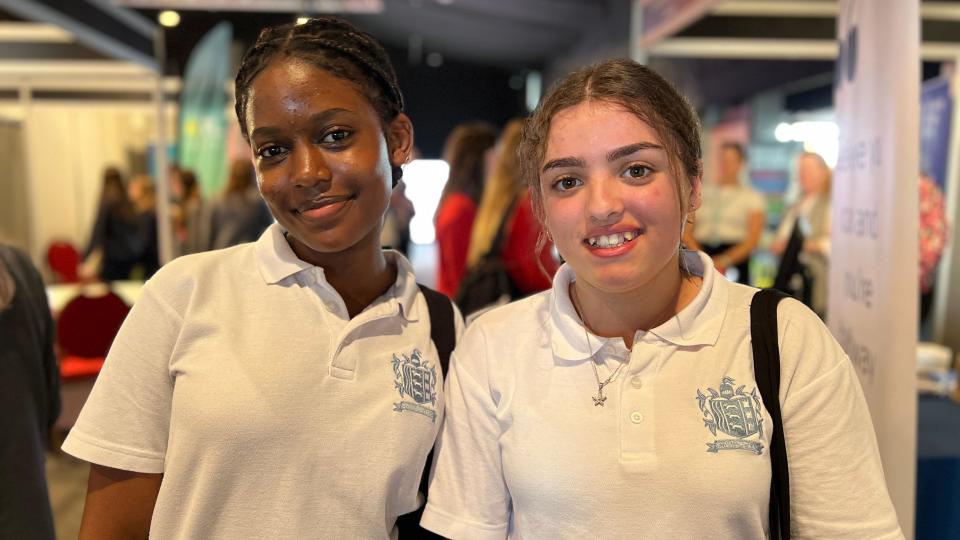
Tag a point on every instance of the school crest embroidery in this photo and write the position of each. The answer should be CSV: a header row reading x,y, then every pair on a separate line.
x,y
735,413
415,379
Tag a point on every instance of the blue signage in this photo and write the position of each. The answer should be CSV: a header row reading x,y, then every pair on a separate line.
x,y
936,114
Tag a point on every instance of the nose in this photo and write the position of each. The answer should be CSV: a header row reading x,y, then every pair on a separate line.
x,y
604,203
309,166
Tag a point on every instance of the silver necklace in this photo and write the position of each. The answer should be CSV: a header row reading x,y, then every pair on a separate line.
x,y
599,399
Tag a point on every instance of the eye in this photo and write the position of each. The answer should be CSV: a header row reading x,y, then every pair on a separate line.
x,y
335,136
567,183
637,171
270,151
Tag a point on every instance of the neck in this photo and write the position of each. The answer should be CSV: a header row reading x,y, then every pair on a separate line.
x,y
621,314
360,273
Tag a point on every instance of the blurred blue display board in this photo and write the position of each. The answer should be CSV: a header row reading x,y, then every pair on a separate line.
x,y
203,120
936,115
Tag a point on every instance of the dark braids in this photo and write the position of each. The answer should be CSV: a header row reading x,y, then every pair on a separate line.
x,y
333,45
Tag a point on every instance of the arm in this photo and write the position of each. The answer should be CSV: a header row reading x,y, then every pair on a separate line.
x,y
119,503
837,485
742,251
125,423
468,495
99,231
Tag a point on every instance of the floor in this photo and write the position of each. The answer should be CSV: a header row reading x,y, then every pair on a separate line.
x,y
67,483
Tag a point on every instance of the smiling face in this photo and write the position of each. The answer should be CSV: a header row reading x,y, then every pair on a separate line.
x,y
609,198
323,157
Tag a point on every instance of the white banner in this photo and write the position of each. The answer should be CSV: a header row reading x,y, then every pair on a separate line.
x,y
872,307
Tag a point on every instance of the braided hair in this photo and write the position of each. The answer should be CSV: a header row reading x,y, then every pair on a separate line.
x,y
331,44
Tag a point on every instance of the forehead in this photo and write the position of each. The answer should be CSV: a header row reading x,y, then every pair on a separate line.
x,y
290,87
595,126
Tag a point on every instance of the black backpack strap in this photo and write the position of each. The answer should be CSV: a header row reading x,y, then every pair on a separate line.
x,y
443,333
766,368
442,327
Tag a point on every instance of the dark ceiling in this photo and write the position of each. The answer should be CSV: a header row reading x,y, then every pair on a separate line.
x,y
488,46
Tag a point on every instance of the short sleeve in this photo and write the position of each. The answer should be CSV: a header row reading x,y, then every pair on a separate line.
x,y
837,487
125,421
468,497
756,202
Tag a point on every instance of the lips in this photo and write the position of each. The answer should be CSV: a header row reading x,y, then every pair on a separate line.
x,y
612,240
323,207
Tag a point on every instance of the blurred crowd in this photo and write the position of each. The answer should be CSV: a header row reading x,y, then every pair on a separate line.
x,y
124,240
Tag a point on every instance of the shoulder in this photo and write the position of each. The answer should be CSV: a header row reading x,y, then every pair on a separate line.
x,y
808,350
177,280
458,202
753,198
503,325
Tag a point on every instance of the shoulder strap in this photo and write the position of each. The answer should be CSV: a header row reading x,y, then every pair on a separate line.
x,y
442,328
442,333
766,368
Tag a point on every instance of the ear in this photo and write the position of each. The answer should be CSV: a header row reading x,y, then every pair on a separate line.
x,y
695,184
400,140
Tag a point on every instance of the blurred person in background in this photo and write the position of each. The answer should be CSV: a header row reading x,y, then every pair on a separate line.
x,y
396,224
932,241
190,227
465,151
730,221
143,195
810,214
29,397
115,243
239,215
528,261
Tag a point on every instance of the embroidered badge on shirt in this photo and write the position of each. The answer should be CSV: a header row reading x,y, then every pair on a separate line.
x,y
417,380
735,413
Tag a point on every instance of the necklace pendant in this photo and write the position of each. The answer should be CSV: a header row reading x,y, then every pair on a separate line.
x,y
598,400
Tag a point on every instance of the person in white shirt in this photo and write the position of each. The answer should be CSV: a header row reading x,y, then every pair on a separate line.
x,y
730,219
587,411
286,388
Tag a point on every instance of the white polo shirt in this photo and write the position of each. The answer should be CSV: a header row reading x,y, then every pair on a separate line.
x,y
724,213
271,414
679,449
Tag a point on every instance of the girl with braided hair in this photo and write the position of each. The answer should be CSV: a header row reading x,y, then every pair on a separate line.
x,y
286,388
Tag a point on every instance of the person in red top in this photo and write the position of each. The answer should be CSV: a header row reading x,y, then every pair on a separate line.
x,y
527,255
465,151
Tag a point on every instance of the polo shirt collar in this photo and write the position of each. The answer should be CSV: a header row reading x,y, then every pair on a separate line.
x,y
697,324
275,257
406,289
277,262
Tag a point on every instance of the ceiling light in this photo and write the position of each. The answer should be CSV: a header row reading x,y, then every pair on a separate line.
x,y
168,18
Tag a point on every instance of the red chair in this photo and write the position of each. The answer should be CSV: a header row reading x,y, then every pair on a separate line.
x,y
64,261
85,330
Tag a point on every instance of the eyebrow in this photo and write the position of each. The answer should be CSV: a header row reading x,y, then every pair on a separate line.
x,y
317,118
630,149
612,156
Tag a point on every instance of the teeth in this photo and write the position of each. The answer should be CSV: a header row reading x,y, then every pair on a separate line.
x,y
612,240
